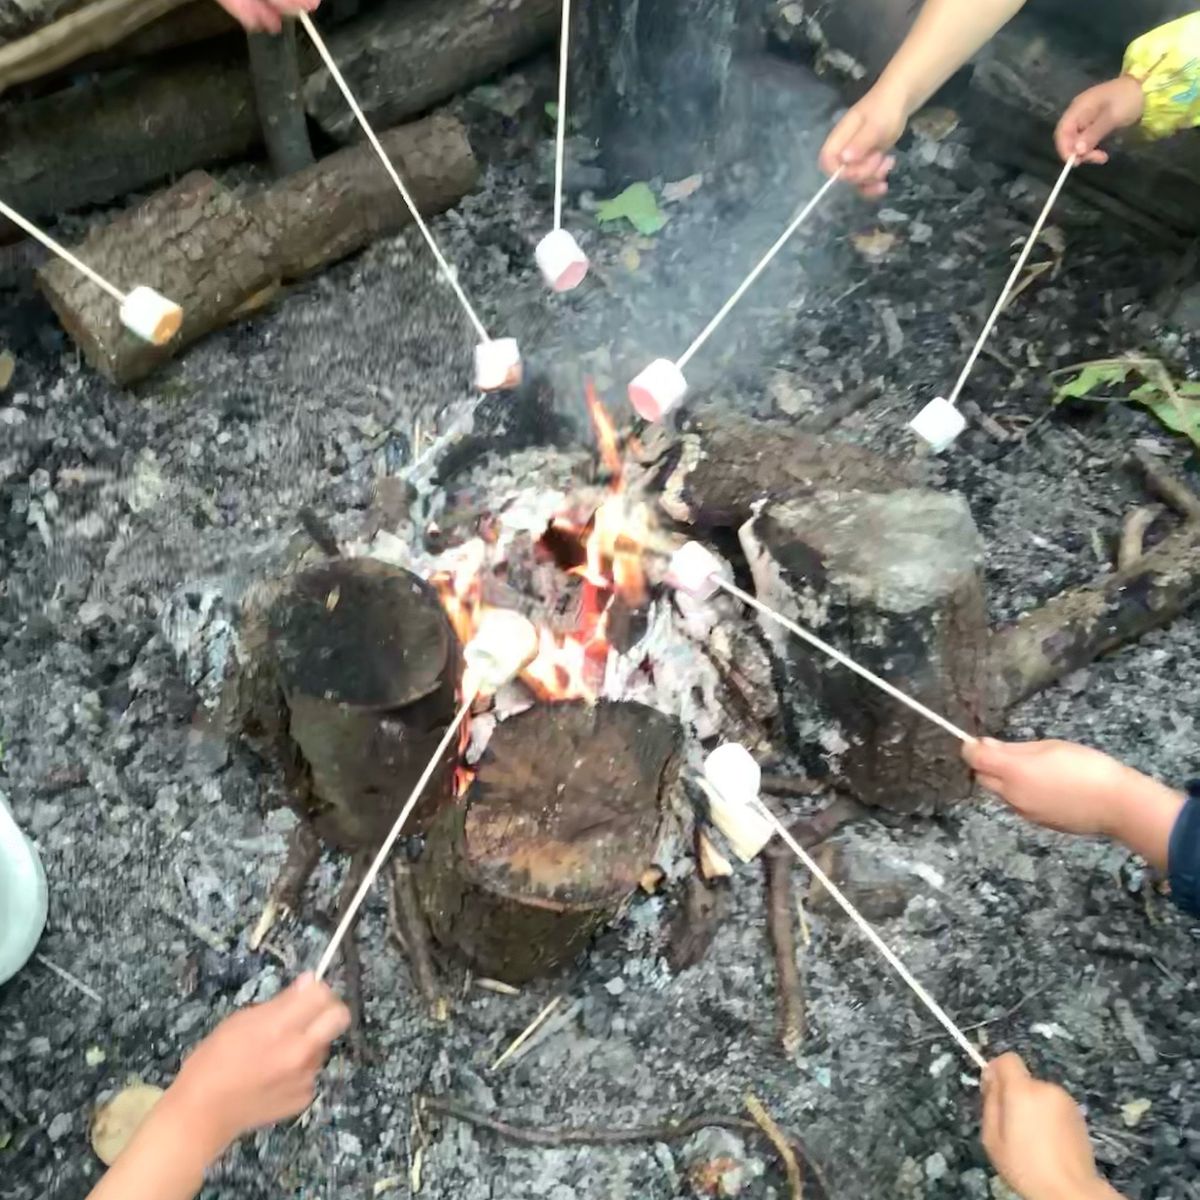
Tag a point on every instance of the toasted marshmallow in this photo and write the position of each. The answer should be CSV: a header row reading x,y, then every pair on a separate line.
x,y
657,390
151,316
734,778
695,571
939,423
497,365
504,643
561,261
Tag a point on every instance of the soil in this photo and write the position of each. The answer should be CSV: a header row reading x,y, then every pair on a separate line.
x,y
128,519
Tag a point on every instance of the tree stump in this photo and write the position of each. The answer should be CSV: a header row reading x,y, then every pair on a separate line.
x,y
894,582
369,668
662,86
555,833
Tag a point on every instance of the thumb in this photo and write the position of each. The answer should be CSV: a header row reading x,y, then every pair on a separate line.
x,y
836,150
1006,1070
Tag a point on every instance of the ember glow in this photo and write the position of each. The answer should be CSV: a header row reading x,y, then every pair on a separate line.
x,y
603,548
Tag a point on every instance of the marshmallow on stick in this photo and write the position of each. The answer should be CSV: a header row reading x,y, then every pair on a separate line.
x,y
733,779
561,260
497,365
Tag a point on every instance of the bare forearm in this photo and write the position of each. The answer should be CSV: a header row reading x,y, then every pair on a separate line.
x,y
167,1157
1144,816
946,34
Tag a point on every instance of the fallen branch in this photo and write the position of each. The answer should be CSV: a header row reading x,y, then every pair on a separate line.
x,y
778,1139
1166,487
410,930
1133,534
668,1131
790,1017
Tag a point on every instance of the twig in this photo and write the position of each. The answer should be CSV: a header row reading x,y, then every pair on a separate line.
x,y
1166,487
789,785
777,1138
409,929
527,1032
790,1016
843,408
568,1136
1004,1016
1133,534
67,977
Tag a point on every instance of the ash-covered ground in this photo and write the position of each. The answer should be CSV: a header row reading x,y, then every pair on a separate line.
x,y
127,515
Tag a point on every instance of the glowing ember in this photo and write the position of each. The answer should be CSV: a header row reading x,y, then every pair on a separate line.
x,y
604,550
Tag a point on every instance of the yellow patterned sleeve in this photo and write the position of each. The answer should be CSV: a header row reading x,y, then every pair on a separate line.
x,y
1167,62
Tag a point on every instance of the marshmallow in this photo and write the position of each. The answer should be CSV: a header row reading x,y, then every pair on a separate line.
x,y
938,423
562,263
657,390
497,365
504,643
733,778
151,316
694,570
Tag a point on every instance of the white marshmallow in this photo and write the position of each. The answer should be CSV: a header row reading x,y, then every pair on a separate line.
x,y
694,570
151,316
657,390
504,644
938,423
497,365
733,778
561,260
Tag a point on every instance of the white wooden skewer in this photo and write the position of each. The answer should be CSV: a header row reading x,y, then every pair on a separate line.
x,y
373,872
560,140
869,933
143,311
940,422
847,662
662,385
323,50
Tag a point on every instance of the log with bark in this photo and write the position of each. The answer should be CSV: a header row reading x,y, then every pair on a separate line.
x,y
369,668
661,87
219,257
558,827
409,55
275,69
894,581
715,473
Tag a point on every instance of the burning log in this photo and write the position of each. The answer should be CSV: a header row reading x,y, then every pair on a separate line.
x,y
556,831
220,257
405,57
723,465
369,668
894,581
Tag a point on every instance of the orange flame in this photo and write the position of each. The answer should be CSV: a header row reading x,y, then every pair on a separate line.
x,y
571,666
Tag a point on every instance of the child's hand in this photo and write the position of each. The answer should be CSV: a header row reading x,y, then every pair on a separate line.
x,y
1096,113
860,141
260,1065
265,16
1036,1137
1056,784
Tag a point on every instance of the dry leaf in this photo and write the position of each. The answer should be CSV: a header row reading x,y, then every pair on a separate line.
x,y
117,1121
1133,1112
651,880
874,246
8,365
681,189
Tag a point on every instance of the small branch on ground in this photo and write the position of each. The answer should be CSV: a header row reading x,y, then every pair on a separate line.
x,y
1167,487
789,785
668,1131
303,854
778,1139
411,933
1133,534
790,1016
704,908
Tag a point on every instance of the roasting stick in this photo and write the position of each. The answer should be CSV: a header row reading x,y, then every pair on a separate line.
x,y
560,259
497,361
940,422
661,385
143,311
732,776
504,643
696,571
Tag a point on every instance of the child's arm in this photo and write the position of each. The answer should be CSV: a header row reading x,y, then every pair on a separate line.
x,y
259,1066
1076,790
1036,1138
946,34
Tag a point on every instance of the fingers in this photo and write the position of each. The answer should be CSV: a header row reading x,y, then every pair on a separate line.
x,y
833,153
303,1001
329,1024
1005,1071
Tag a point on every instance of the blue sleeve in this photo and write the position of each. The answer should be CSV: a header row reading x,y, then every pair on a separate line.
x,y
1183,854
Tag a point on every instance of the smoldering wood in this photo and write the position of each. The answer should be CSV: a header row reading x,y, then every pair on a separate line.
x,y
221,257
662,88
555,834
369,668
406,56
894,581
275,71
152,122
1078,626
715,473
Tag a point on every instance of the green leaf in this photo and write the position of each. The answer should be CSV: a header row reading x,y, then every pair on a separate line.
x,y
637,205
1090,377
552,110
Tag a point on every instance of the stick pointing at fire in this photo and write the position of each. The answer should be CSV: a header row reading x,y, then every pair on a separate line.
x,y
503,645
